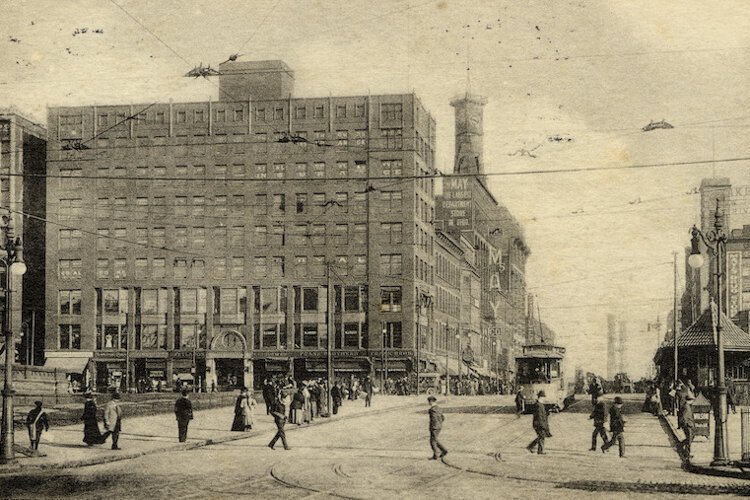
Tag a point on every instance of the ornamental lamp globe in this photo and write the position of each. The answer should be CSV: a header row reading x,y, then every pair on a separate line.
x,y
695,261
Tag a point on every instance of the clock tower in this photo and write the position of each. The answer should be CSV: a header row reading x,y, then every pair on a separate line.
x,y
469,158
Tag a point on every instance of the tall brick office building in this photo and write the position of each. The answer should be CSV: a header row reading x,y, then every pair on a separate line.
x,y
198,236
22,190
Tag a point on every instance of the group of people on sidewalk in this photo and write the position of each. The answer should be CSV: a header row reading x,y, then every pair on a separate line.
x,y
304,402
112,421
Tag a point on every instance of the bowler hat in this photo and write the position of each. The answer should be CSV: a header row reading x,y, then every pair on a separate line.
x,y
541,394
115,395
431,398
38,403
618,400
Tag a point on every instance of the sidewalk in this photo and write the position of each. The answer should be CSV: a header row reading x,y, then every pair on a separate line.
x,y
702,449
64,448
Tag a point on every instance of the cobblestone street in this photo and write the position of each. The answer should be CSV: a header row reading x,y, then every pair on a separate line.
x,y
385,455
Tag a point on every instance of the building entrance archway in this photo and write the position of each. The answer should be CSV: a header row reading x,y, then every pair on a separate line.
x,y
227,362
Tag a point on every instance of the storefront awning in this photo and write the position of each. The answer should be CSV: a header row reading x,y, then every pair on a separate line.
x,y
452,367
67,365
339,365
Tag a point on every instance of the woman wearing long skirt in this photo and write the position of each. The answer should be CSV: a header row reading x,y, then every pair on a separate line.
x,y
243,411
307,407
91,433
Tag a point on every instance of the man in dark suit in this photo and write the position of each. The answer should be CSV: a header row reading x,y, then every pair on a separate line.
x,y
279,418
687,424
617,427
268,395
183,410
540,425
436,425
336,397
599,415
36,422
368,388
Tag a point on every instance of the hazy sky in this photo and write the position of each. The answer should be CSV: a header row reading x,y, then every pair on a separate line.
x,y
594,72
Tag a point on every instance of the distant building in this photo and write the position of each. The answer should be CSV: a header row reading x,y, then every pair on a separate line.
x,y
23,146
612,347
622,347
467,209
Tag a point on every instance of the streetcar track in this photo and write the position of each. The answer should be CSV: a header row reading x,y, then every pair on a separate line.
x,y
274,473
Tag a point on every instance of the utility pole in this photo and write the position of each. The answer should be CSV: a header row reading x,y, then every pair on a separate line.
x,y
674,324
447,372
419,332
331,333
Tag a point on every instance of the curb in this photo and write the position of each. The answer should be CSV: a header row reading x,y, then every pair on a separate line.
x,y
728,472
73,464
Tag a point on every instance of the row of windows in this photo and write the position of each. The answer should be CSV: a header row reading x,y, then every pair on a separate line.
x,y
447,302
447,270
154,337
227,300
222,144
422,270
233,267
424,211
235,236
423,239
71,177
262,204
389,112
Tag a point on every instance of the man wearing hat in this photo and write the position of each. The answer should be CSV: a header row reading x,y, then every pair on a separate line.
x,y
36,422
113,418
540,425
687,424
617,427
183,411
436,425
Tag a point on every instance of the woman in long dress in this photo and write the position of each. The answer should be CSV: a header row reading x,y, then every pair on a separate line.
x,y
307,408
91,433
243,411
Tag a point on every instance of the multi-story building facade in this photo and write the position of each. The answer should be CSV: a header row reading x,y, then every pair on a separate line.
x,y
22,202
196,240
467,209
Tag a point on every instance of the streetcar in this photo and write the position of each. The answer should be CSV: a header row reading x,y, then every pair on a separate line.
x,y
541,368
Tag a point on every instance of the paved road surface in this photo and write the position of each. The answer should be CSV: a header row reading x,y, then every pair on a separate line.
x,y
386,456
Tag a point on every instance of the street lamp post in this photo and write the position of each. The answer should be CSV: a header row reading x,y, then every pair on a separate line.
x,y
382,358
195,349
13,262
496,356
424,301
458,359
447,372
715,240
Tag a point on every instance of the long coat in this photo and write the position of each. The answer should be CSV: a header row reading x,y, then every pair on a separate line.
x,y
540,419
616,422
436,418
243,413
91,432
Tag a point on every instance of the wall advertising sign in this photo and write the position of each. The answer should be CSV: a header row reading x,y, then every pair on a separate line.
x,y
734,283
457,202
